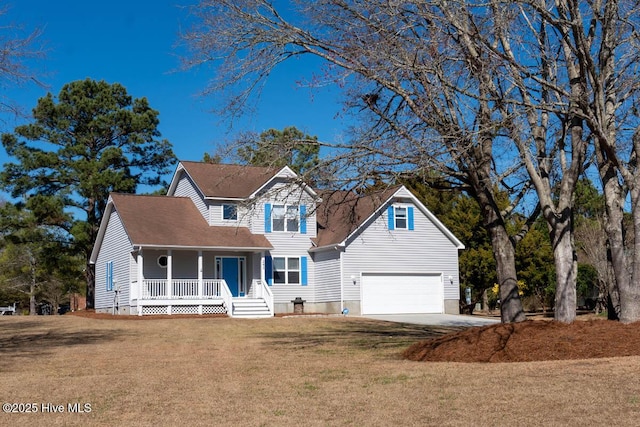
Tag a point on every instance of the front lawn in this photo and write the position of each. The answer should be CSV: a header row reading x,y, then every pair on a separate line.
x,y
288,371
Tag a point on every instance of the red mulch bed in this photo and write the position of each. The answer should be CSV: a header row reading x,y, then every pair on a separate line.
x,y
532,341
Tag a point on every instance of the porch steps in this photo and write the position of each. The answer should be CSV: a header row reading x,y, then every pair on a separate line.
x,y
250,308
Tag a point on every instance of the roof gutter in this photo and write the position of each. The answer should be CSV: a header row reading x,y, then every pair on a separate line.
x,y
217,248
334,246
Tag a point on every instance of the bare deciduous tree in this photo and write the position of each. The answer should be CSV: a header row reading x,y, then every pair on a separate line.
x,y
425,88
611,63
17,47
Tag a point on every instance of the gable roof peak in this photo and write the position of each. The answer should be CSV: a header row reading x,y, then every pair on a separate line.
x,y
343,213
225,181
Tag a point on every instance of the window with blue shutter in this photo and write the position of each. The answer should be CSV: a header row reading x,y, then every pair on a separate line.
x,y
303,219
288,270
268,270
303,271
109,280
400,217
267,218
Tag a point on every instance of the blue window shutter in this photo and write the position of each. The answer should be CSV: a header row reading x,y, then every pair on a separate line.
x,y
410,217
391,217
303,271
303,219
109,275
267,218
268,270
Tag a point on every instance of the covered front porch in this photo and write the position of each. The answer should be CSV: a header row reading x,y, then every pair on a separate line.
x,y
188,281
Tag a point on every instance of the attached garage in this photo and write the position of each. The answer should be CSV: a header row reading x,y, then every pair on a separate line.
x,y
402,293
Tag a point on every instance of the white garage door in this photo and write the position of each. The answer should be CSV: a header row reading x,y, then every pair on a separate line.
x,y
394,293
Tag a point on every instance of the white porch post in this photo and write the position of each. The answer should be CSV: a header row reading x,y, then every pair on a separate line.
x,y
262,278
140,292
200,275
169,278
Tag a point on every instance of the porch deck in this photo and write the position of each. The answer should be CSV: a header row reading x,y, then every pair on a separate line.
x,y
193,296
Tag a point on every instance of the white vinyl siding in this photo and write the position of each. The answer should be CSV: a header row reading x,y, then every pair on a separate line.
x,y
187,188
327,283
288,244
116,248
424,250
283,194
185,264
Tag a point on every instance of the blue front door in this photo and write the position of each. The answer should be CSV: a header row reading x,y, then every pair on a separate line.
x,y
230,268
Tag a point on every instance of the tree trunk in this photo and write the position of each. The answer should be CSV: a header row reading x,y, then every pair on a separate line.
x,y
630,304
613,307
32,285
630,290
504,252
614,228
566,264
90,274
32,300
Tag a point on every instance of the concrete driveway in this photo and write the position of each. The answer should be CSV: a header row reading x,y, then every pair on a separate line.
x,y
436,319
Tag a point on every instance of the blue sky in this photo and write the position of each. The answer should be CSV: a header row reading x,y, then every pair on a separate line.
x,y
133,43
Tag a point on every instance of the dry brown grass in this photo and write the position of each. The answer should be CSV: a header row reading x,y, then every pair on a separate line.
x,y
290,371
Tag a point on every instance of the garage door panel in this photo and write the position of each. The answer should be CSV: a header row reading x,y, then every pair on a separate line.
x,y
401,293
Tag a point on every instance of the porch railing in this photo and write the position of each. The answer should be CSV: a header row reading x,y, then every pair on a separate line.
x,y
182,289
262,290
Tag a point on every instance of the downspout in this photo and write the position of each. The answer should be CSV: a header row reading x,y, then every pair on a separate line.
x,y
341,282
116,300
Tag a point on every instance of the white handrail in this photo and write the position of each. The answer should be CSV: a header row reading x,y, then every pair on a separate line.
x,y
264,292
182,289
185,288
211,288
153,289
227,297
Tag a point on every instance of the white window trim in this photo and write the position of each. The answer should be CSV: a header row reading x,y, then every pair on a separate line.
x,y
286,206
406,217
222,212
286,270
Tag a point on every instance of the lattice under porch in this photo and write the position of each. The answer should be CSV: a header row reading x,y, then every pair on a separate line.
x,y
196,309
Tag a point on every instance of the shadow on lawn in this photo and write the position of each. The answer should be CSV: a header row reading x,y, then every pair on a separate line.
x,y
20,339
360,334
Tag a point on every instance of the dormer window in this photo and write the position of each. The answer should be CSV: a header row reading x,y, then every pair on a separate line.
x,y
229,212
